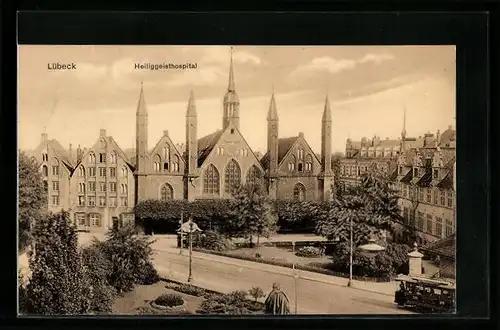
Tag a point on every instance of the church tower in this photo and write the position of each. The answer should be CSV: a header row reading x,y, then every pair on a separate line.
x,y
231,111
141,149
191,148
326,176
403,132
272,148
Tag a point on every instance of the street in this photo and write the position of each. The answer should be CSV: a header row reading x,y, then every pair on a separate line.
x,y
314,297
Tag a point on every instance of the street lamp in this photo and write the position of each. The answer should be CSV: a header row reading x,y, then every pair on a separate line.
x,y
190,227
371,247
295,277
181,233
350,252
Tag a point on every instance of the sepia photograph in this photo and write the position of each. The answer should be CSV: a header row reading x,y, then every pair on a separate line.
x,y
236,180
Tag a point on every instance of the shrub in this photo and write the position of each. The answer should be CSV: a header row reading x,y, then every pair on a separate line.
x,y
130,257
256,292
191,290
233,303
169,300
98,269
211,240
59,284
309,252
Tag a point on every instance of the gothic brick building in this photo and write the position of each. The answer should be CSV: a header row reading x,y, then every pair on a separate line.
x,y
102,184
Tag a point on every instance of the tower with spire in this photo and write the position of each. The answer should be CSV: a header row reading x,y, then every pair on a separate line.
x,y
403,131
326,176
231,105
141,143
272,147
191,153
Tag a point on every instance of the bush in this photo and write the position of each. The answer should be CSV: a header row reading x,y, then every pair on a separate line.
x,y
233,303
131,258
256,292
169,300
190,290
98,269
59,284
309,252
211,240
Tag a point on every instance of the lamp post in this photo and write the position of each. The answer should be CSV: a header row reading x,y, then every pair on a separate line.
x,y
295,277
190,227
181,233
349,283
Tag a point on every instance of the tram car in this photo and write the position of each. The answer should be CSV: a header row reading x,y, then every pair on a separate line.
x,y
425,294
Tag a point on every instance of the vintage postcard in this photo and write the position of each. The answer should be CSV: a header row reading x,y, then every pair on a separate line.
x,y
184,180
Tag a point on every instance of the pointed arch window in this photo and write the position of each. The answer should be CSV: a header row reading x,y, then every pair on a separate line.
x,y
124,172
113,157
309,163
81,187
92,158
254,175
45,170
55,167
175,164
299,192
45,157
211,181
81,171
166,192
300,154
156,163
232,176
291,163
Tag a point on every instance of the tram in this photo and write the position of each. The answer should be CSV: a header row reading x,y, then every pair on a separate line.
x,y
425,294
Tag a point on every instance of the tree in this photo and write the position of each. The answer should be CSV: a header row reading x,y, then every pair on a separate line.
x,y
32,197
370,206
59,283
253,214
256,292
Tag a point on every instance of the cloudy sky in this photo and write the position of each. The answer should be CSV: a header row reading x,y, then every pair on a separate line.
x,y
368,87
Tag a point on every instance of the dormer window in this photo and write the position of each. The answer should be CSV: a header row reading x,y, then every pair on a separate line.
x,y
435,174
415,171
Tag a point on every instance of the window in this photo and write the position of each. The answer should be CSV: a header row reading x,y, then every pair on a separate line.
x,y
450,198
211,181
405,190
45,170
220,151
112,186
55,170
113,157
102,186
175,164
429,195
55,200
300,168
246,152
232,176
124,188
92,171
299,192
112,201
359,170
166,154
254,176
45,157
421,194
91,158
309,163
232,130
406,218
449,227
291,163
81,187
156,163
300,154
124,201
91,186
81,200
435,196
420,221
112,172
435,173
55,185
102,171
442,199
102,158
81,171
102,201
166,192
124,172
428,227
81,219
91,200
439,227
165,166
415,172
95,220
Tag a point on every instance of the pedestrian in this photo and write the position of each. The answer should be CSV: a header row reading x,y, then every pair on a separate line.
x,y
277,302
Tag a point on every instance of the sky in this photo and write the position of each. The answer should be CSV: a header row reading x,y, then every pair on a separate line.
x,y
368,87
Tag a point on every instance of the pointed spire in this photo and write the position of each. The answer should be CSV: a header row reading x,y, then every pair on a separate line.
x,y
327,114
403,132
191,108
141,105
231,87
273,111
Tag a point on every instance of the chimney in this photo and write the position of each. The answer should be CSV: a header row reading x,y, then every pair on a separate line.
x,y
301,134
79,154
165,132
449,127
102,133
45,138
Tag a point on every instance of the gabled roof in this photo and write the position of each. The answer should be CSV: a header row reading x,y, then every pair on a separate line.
x,y
206,145
284,145
447,182
61,154
447,136
445,247
408,177
125,156
425,180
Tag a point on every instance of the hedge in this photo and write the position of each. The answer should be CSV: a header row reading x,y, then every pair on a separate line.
x,y
297,266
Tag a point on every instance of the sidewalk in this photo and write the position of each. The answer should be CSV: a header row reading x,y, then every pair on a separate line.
x,y
384,288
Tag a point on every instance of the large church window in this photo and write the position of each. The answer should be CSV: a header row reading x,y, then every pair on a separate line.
x,y
211,181
167,192
232,176
299,192
254,176
157,163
